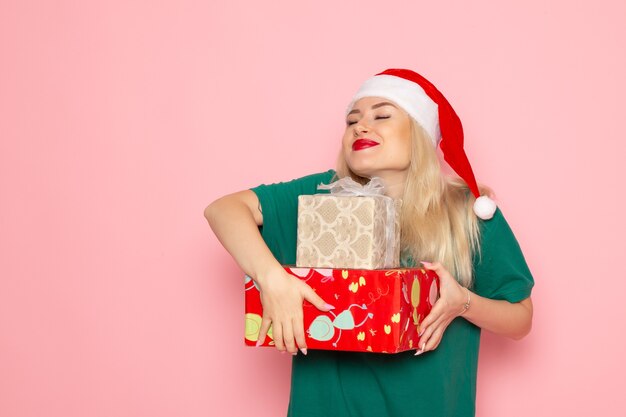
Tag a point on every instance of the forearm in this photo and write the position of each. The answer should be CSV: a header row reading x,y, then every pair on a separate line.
x,y
501,317
236,228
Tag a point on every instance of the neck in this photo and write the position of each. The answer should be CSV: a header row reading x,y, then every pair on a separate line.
x,y
394,185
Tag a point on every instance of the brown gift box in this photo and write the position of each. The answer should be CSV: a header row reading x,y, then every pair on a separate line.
x,y
336,231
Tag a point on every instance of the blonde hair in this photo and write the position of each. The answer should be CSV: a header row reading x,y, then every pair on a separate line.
x,y
437,222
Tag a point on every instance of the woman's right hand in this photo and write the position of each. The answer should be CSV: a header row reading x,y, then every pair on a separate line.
x,y
282,296
235,219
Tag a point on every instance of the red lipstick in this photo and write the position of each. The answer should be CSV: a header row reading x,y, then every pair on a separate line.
x,y
360,144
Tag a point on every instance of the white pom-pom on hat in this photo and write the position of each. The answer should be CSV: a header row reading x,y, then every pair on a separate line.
x,y
484,207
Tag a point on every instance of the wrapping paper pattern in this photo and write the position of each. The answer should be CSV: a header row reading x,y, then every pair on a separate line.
x,y
375,310
348,232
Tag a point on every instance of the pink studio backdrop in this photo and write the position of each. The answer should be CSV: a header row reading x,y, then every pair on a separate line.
x,y
120,121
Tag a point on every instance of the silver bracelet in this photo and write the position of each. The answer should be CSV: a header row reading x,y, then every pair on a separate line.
x,y
466,306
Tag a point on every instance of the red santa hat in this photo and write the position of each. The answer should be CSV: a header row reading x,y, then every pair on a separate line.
x,y
424,103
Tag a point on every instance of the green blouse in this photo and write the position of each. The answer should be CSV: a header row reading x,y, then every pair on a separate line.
x,y
437,383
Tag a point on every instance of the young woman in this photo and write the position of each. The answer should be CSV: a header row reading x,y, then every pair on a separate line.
x,y
393,126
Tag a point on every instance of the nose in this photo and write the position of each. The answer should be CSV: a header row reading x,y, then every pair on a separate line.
x,y
360,128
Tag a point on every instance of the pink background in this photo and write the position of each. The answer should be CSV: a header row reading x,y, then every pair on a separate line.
x,y
121,120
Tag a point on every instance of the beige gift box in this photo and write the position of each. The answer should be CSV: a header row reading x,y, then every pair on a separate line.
x,y
348,231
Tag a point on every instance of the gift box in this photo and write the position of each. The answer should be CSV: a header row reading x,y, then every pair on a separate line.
x,y
375,310
353,227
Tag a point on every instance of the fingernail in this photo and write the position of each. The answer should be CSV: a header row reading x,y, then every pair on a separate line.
x,y
418,352
295,353
283,351
425,263
420,333
329,307
258,343
304,351
423,346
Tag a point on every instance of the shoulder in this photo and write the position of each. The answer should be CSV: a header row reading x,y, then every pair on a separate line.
x,y
495,228
278,206
282,197
303,185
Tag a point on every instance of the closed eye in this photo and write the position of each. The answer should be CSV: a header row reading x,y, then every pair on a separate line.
x,y
348,122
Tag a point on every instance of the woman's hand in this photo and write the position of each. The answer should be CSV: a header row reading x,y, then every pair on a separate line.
x,y
235,219
282,296
451,302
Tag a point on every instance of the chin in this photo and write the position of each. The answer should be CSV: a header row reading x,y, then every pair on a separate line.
x,y
363,167
362,170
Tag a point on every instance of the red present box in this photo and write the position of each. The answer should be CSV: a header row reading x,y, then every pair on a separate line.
x,y
375,310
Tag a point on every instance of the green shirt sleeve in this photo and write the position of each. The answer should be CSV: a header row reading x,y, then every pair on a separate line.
x,y
500,270
279,205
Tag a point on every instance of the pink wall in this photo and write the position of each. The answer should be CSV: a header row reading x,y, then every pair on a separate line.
x,y
121,120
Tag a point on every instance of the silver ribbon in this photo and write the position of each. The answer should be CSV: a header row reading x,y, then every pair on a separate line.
x,y
346,186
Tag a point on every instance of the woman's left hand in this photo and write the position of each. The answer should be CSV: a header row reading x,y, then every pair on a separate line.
x,y
451,302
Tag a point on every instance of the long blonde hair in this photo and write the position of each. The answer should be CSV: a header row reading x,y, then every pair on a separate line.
x,y
437,222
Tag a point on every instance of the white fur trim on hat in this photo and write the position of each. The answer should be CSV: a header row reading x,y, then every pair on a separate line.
x,y
408,95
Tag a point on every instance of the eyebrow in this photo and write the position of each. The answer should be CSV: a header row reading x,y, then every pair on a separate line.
x,y
375,106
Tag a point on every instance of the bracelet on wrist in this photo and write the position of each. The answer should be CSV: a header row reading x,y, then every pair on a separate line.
x,y
466,306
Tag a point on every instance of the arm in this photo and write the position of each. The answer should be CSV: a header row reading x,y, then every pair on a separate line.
x,y
501,317
497,316
235,219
